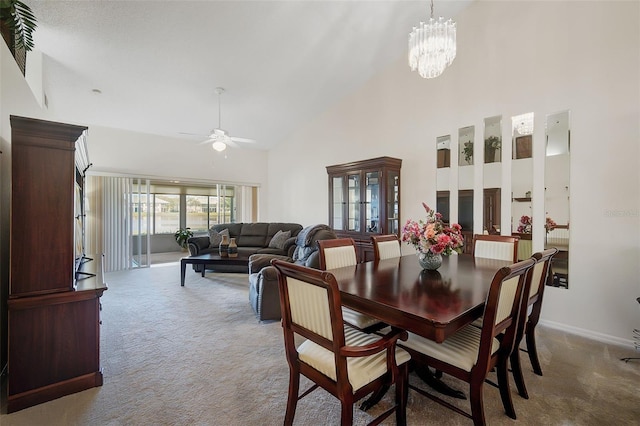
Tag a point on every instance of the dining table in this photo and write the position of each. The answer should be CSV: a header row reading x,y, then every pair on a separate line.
x,y
431,303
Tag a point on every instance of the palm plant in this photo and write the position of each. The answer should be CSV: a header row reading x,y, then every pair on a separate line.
x,y
182,235
20,21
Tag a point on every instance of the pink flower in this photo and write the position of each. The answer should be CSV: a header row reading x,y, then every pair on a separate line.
x,y
430,232
431,235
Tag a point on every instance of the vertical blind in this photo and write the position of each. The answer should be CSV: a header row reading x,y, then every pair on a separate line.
x,y
110,229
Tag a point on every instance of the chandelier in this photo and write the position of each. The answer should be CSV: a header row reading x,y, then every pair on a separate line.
x,y
432,46
523,123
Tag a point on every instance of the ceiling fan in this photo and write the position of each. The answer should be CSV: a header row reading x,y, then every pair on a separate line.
x,y
219,138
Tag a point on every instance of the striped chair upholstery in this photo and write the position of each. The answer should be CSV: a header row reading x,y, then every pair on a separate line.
x,y
332,355
501,247
472,352
385,247
338,253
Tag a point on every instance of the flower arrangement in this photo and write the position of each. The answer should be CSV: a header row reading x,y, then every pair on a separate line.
x,y
549,224
524,227
432,236
526,222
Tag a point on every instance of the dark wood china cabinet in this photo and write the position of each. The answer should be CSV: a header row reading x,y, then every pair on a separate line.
x,y
364,200
54,289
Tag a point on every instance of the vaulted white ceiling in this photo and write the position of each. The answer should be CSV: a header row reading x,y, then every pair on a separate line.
x,y
157,63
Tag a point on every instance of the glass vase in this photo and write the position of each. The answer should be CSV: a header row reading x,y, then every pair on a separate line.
x,y
429,261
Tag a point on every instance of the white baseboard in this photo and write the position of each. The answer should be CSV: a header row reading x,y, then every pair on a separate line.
x,y
601,337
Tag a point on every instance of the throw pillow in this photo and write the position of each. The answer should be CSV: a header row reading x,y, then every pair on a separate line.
x,y
278,240
215,237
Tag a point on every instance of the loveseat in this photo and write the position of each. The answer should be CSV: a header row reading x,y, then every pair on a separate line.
x,y
251,238
264,293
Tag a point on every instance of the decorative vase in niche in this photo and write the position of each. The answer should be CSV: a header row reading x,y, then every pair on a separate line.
x,y
233,248
429,260
223,248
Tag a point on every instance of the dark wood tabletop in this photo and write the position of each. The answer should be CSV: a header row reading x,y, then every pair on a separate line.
x,y
433,304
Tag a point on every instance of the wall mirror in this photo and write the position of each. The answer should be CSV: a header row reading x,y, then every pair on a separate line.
x,y
443,145
556,195
522,182
465,146
492,174
466,136
443,172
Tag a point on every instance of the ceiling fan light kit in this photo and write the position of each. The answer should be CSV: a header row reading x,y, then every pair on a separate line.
x,y
219,146
220,137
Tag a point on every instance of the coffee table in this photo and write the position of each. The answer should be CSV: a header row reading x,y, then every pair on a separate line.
x,y
209,259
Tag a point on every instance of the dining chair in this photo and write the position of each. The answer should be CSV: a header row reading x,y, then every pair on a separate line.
x,y
471,352
502,247
529,316
337,253
495,247
344,361
385,247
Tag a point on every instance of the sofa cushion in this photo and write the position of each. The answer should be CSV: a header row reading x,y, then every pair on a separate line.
x,y
279,239
253,234
234,228
274,227
215,237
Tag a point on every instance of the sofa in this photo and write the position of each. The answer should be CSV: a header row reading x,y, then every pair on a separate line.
x,y
264,293
251,238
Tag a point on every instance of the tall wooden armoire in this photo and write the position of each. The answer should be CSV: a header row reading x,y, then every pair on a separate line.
x,y
54,288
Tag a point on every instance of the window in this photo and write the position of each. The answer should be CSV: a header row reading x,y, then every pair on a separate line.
x,y
198,212
166,213
204,211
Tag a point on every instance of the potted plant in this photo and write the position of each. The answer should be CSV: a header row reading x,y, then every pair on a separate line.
x,y
18,24
491,145
467,151
182,235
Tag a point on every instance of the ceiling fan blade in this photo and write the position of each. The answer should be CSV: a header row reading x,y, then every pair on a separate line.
x,y
193,134
207,141
243,140
231,143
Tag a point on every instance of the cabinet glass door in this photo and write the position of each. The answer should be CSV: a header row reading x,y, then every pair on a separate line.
x,y
371,203
338,203
393,203
353,203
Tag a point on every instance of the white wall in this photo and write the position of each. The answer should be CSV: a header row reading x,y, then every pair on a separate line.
x,y
513,57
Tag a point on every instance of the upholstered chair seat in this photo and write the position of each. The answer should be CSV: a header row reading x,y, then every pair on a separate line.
x,y
361,371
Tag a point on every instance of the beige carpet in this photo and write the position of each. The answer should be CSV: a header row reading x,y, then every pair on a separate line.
x,y
198,356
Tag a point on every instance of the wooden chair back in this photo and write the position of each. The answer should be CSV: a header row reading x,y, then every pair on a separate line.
x,y
527,321
311,307
337,253
501,247
501,311
385,247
